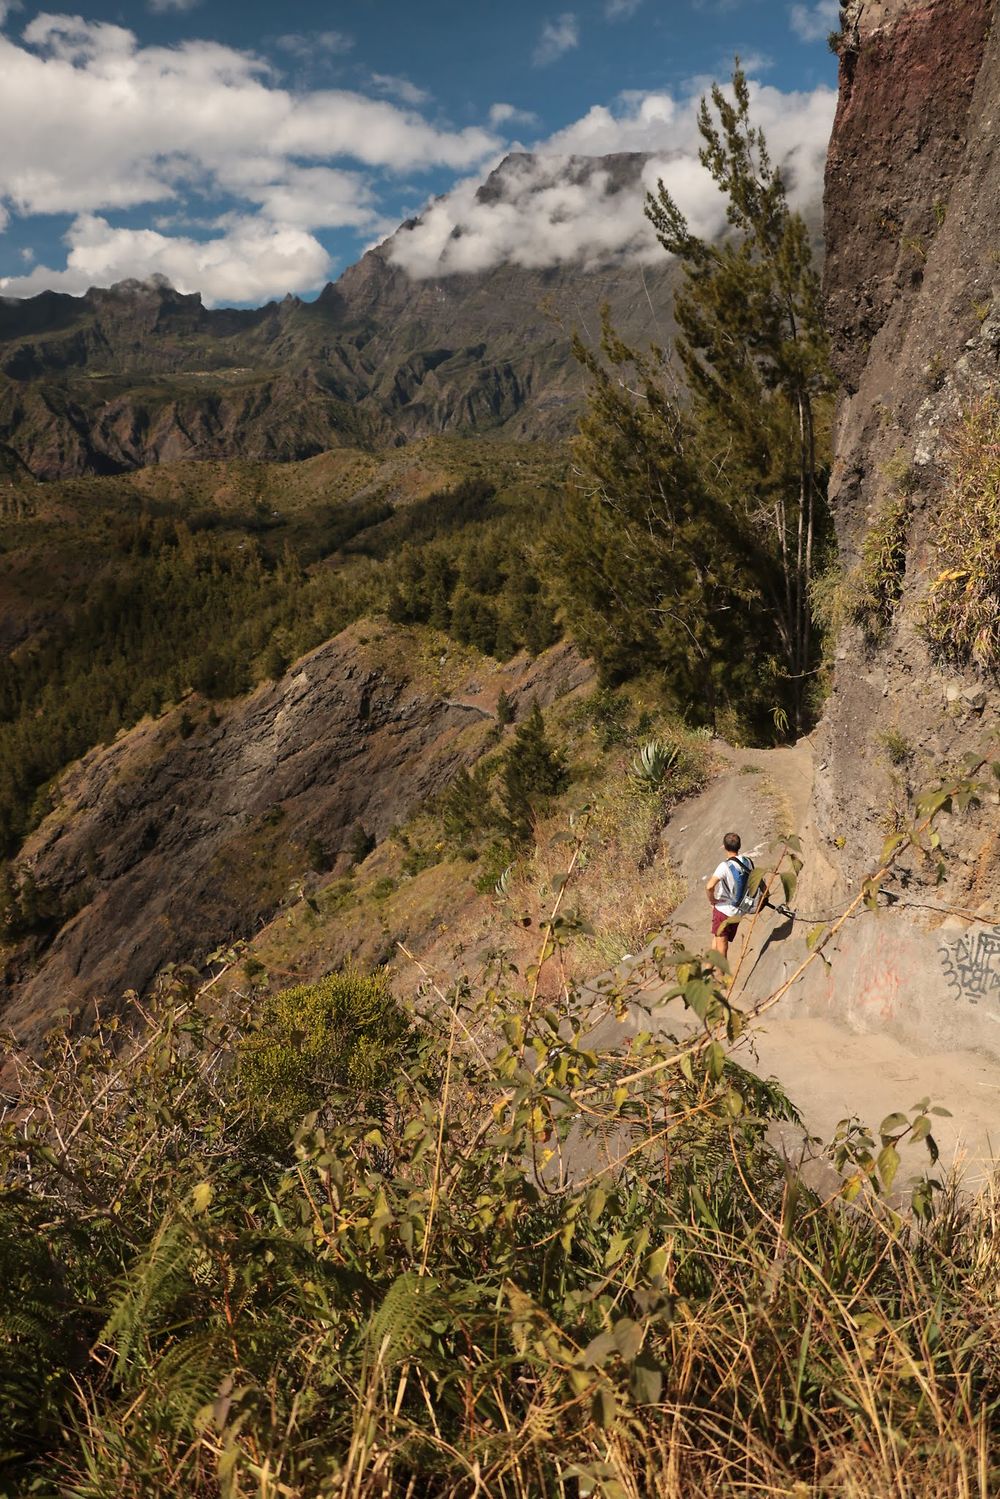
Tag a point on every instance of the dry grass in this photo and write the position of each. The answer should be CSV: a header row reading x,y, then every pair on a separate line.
x,y
961,617
448,1288
626,886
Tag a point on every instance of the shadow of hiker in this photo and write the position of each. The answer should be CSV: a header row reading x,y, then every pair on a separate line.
x,y
776,934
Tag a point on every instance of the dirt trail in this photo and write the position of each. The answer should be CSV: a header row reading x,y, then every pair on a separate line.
x,y
846,1059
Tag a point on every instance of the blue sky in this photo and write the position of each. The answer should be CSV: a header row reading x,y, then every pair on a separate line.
x,y
248,150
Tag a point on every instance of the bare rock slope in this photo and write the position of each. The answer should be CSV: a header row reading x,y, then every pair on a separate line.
x,y
912,279
188,830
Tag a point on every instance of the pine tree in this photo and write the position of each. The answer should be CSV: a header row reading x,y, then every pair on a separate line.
x,y
533,772
692,524
653,567
505,709
754,349
468,809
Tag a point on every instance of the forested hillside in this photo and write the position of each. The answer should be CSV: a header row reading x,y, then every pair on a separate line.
x,y
121,596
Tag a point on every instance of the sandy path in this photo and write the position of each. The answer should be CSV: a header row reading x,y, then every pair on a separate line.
x,y
829,1070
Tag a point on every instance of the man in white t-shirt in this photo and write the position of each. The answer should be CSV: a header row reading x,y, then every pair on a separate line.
x,y
722,890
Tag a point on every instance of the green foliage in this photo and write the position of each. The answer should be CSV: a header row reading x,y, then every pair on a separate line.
x,y
897,747
655,764
693,528
505,709
317,1040
468,809
27,908
533,772
876,585
496,804
608,712
361,844
316,854
215,599
441,1282
483,588
961,617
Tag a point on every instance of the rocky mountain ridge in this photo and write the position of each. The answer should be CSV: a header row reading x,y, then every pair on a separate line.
x,y
140,373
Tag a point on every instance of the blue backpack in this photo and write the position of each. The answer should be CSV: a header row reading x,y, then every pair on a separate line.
x,y
741,870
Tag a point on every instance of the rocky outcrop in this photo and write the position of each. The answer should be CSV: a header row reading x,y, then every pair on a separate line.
x,y
188,831
912,283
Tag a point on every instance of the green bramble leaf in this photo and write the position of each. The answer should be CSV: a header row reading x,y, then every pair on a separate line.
x,y
604,1408
887,1165
646,1381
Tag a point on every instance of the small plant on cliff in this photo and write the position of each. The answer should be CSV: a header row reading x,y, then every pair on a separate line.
x,y
961,617
898,748
876,585
533,772
654,764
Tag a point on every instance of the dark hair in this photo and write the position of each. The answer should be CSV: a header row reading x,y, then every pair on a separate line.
x,y
731,843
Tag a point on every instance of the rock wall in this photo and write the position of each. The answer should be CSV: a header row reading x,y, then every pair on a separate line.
x,y
913,288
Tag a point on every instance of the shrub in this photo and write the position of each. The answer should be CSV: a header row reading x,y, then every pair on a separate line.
x,y
961,617
608,712
317,856
876,585
897,746
343,1033
655,764
468,810
533,772
505,709
361,844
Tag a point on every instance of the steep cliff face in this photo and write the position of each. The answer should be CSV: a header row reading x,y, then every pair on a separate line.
x,y
189,830
913,280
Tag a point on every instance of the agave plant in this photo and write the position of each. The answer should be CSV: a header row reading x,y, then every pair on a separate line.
x,y
654,764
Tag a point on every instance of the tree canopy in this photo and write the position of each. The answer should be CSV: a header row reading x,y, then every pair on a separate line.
x,y
696,514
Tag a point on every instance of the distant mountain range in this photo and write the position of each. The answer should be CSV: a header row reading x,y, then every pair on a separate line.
x,y
140,374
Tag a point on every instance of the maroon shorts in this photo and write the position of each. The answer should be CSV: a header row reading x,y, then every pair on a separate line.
x,y
723,923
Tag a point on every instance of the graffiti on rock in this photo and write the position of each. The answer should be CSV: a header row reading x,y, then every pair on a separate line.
x,y
972,965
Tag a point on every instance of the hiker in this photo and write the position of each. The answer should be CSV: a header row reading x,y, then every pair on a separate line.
x,y
726,893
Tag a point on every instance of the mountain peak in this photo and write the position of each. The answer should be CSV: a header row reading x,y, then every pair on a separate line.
x,y
521,171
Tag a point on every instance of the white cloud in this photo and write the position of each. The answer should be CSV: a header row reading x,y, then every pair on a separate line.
x,y
509,114
814,22
7,8
558,37
95,123
642,122
620,10
399,88
27,254
160,7
251,262
554,207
